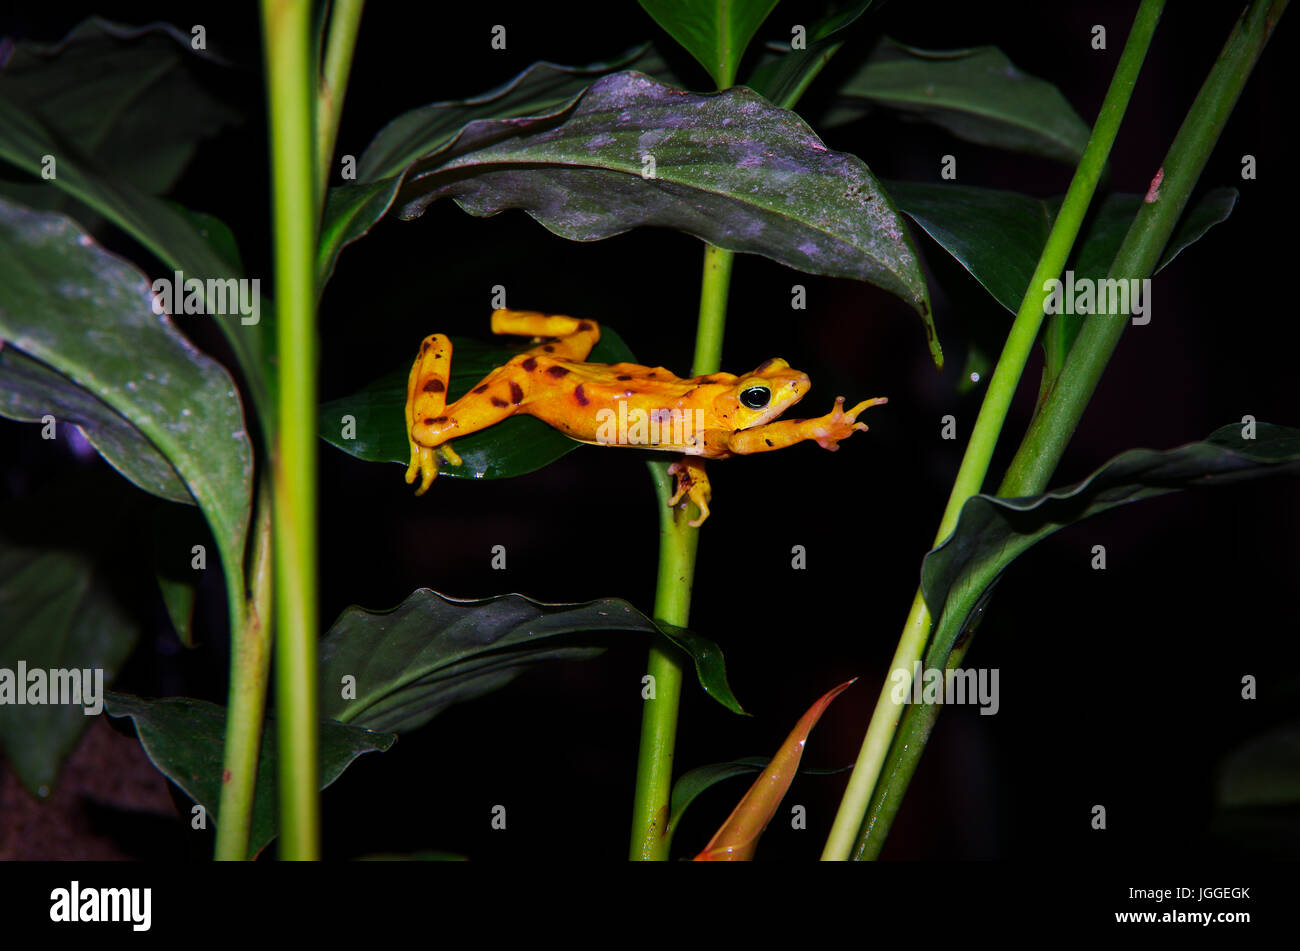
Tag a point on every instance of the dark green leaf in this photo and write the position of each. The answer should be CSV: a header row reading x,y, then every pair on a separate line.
x,y
104,90
976,94
958,576
179,597
410,663
782,78
715,32
56,613
709,664
350,211
692,783
992,532
88,315
729,168
996,235
513,447
1213,208
215,234
29,391
688,786
543,89
184,739
1102,239
171,236
999,236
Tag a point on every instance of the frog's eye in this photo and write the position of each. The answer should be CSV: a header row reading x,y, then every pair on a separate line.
x,y
755,397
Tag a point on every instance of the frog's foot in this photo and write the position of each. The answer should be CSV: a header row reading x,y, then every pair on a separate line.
x,y
693,483
532,323
837,424
424,463
572,339
426,397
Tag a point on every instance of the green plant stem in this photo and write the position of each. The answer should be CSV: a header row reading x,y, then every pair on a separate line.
x,y
250,657
1059,414
714,289
1137,257
677,545
341,40
287,39
249,667
988,426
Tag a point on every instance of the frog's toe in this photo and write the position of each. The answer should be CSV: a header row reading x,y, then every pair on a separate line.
x,y
449,455
867,404
427,474
692,483
703,502
424,465
413,469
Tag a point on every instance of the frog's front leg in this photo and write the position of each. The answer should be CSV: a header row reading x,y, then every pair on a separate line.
x,y
826,431
692,482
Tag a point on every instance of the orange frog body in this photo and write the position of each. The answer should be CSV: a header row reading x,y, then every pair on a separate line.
x,y
613,404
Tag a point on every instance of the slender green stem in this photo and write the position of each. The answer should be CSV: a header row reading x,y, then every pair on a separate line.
x,y
1059,415
287,39
988,426
250,656
714,289
249,667
1030,473
340,41
677,545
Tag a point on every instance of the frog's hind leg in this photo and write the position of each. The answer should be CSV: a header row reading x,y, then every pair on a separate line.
x,y
426,397
574,337
693,483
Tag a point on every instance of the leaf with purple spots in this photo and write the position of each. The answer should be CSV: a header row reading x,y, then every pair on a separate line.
x,y
729,168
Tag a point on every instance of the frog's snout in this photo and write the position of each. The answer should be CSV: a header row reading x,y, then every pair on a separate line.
x,y
794,383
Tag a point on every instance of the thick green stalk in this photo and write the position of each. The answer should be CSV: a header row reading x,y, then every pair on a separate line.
x,y
341,40
677,545
1031,471
287,40
249,667
988,425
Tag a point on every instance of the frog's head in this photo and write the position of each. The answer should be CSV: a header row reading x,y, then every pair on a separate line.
x,y
763,395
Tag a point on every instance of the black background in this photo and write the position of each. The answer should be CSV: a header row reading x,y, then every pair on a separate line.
x,y
1119,687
